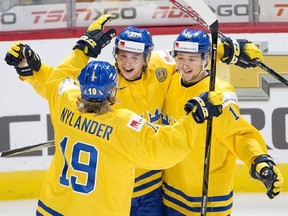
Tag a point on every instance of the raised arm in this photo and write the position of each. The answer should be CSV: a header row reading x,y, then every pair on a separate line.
x,y
28,66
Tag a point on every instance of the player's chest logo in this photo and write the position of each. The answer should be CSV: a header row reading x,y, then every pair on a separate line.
x,y
154,117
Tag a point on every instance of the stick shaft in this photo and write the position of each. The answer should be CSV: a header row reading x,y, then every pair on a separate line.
x,y
209,20
26,149
214,34
271,71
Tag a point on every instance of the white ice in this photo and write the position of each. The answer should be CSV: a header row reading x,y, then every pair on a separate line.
x,y
245,204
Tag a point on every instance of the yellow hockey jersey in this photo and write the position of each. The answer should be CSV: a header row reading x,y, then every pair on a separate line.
x,y
39,78
92,170
232,137
145,97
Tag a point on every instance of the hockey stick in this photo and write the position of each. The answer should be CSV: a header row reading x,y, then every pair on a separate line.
x,y
270,71
209,20
191,12
26,149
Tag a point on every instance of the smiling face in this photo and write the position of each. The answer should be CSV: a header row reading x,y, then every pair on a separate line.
x,y
191,66
130,64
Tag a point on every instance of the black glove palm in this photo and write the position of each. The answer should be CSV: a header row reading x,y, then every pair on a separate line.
x,y
32,58
207,105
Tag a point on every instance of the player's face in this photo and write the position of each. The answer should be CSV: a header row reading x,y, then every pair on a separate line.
x,y
130,64
191,66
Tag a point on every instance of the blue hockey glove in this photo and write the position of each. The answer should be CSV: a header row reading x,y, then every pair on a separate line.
x,y
207,105
95,39
264,169
240,52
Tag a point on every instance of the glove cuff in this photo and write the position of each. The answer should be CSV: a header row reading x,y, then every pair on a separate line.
x,y
24,71
231,51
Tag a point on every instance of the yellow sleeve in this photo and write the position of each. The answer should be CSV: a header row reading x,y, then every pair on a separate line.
x,y
73,64
240,137
167,146
70,68
38,80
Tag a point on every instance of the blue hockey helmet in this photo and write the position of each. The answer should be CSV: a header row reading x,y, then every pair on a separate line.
x,y
98,80
194,41
134,40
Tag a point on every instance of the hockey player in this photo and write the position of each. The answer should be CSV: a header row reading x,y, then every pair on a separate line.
x,y
143,81
232,136
97,149
144,77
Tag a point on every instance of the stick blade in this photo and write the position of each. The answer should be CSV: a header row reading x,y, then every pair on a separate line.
x,y
203,10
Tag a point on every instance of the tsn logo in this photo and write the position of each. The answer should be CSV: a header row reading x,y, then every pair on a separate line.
x,y
58,15
84,14
281,8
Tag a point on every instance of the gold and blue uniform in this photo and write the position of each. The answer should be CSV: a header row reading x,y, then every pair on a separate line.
x,y
38,80
232,137
92,171
145,97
